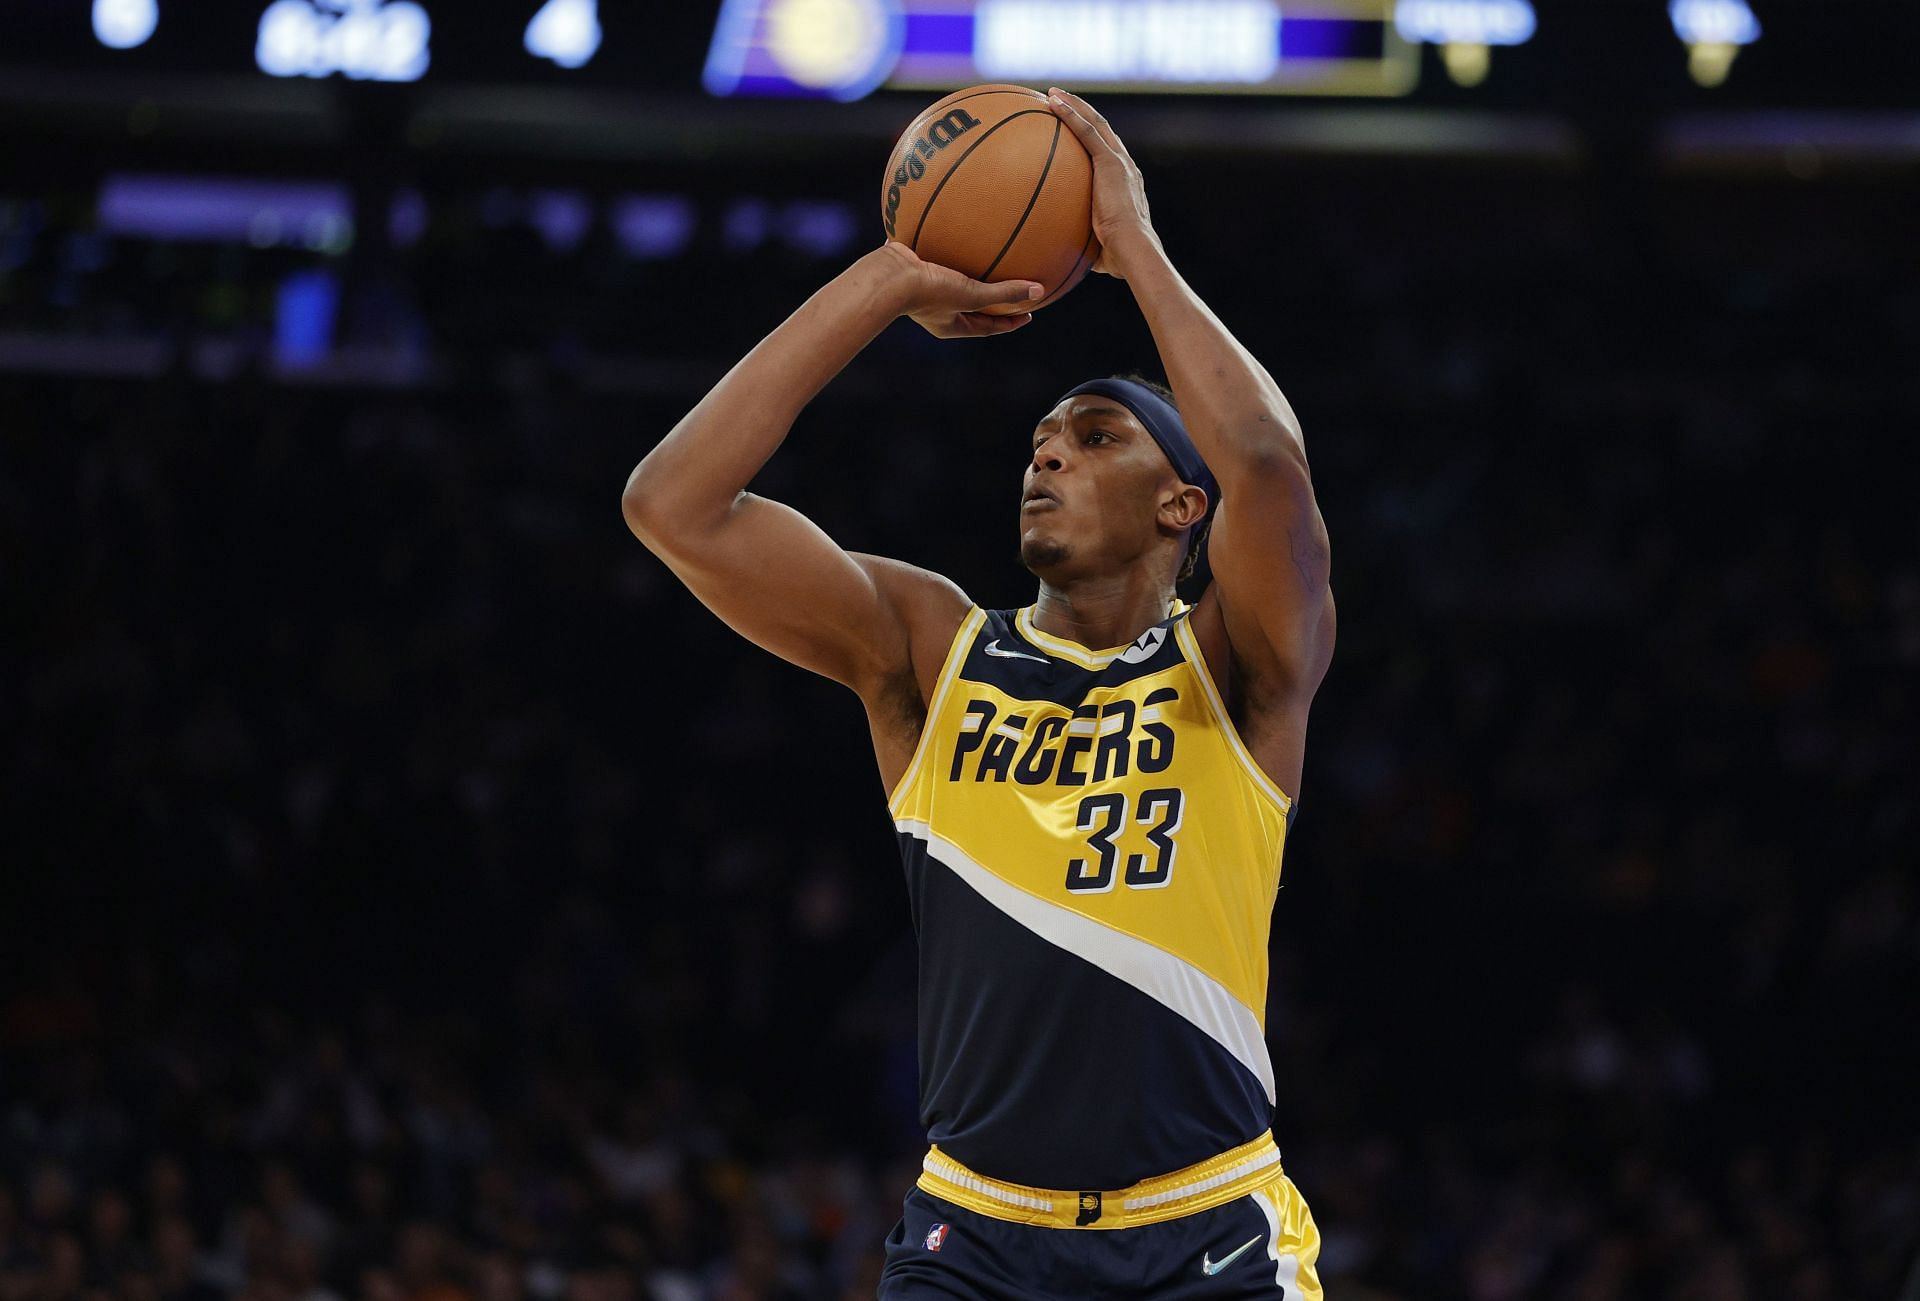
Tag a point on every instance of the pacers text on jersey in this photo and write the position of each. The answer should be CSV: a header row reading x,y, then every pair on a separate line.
x,y
1093,743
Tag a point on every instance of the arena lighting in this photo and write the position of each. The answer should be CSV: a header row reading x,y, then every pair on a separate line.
x,y
303,317
844,49
367,40
123,24
317,215
561,216
652,226
1714,31
565,31
1463,29
406,217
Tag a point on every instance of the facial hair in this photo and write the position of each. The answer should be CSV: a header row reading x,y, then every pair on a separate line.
x,y
1043,553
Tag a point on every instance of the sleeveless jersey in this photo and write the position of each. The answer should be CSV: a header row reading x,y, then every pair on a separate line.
x,y
1091,857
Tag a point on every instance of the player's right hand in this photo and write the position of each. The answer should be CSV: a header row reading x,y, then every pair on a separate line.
x,y
947,304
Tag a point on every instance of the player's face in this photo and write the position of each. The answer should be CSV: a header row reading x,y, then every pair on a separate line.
x,y
1093,492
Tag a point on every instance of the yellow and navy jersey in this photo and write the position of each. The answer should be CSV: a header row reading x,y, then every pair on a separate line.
x,y
1092,856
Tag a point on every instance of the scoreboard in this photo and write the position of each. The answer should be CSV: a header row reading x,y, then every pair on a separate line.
x,y
1507,53
843,49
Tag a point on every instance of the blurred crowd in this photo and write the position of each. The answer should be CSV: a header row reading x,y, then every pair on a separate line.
x,y
413,895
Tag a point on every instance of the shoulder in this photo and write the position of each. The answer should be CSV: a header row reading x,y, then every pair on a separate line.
x,y
930,608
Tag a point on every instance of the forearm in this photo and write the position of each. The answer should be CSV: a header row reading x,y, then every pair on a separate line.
x,y
1231,406
700,468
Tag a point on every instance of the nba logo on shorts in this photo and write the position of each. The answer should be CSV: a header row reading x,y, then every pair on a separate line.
x,y
936,1236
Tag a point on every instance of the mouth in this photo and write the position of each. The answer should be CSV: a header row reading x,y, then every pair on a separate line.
x,y
1038,499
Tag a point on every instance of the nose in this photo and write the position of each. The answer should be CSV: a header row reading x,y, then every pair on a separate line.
x,y
1046,458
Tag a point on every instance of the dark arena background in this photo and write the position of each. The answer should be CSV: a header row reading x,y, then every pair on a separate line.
x,y
410,893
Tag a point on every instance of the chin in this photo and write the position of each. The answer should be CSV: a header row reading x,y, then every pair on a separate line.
x,y
1042,553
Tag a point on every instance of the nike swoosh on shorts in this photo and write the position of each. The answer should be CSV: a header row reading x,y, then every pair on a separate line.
x,y
1210,1267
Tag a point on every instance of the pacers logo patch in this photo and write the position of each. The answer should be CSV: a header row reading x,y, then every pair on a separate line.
x,y
936,1237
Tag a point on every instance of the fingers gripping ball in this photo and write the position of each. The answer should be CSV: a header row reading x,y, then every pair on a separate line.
x,y
989,182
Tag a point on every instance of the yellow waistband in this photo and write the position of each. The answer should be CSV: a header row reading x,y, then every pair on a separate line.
x,y
1199,1187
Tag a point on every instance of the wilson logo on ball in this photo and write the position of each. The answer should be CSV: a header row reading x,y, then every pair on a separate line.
x,y
939,135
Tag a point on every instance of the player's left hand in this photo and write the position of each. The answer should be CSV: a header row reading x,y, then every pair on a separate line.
x,y
947,304
1119,192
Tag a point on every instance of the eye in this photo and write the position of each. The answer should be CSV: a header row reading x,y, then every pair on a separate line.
x,y
1099,435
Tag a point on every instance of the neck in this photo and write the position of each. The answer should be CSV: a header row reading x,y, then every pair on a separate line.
x,y
1109,610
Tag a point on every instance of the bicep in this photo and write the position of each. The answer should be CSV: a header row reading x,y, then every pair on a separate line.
x,y
776,578
1271,562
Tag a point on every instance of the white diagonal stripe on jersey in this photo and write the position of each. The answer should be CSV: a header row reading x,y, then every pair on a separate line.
x,y
1158,974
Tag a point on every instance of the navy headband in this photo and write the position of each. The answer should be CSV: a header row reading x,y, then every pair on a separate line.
x,y
1164,423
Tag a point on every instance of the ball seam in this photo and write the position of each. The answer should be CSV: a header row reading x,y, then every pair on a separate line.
x,y
1032,199
934,198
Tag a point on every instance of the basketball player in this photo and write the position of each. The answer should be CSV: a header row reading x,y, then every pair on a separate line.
x,y
1091,794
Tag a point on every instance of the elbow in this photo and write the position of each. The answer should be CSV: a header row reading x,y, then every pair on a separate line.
x,y
664,516
1277,461
1262,440
635,508
641,505
1279,439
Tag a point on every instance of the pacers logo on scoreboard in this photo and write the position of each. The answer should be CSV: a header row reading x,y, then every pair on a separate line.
x,y
828,49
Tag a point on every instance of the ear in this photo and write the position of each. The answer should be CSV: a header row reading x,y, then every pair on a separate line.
x,y
1184,507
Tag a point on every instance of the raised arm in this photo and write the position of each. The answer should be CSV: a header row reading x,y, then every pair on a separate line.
x,y
764,568
1268,546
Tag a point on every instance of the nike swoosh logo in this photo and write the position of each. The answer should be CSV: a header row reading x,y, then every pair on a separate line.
x,y
993,648
1209,1266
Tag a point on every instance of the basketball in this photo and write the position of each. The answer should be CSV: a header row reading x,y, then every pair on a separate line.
x,y
989,182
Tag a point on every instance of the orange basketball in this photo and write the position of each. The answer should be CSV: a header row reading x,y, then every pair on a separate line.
x,y
989,182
